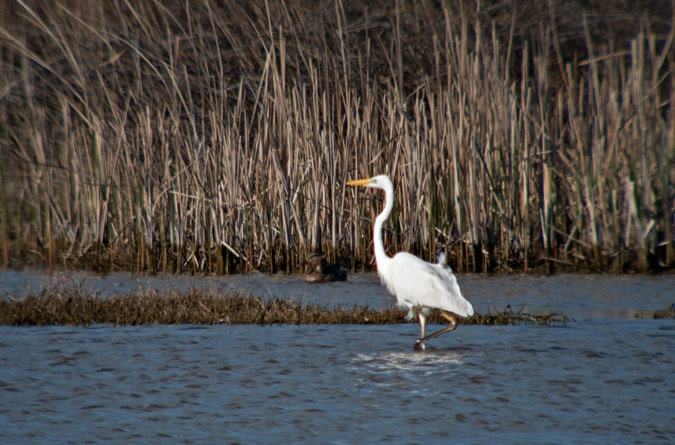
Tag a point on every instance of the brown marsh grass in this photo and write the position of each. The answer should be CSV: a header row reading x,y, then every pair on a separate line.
x,y
669,312
73,307
217,136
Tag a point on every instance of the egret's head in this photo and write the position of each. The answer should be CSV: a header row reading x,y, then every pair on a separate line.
x,y
378,182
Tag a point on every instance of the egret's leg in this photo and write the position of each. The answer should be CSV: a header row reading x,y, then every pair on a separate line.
x,y
419,345
423,320
451,319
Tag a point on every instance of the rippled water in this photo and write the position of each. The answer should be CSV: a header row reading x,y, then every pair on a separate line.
x,y
606,377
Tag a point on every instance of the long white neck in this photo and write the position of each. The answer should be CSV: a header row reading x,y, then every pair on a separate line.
x,y
381,256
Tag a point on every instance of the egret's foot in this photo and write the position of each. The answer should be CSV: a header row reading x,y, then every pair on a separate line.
x,y
419,345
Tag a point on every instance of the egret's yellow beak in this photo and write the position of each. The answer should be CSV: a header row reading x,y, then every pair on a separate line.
x,y
361,182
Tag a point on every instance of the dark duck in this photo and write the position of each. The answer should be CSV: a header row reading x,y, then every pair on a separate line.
x,y
321,271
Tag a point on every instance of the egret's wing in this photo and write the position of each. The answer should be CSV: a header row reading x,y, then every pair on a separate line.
x,y
418,283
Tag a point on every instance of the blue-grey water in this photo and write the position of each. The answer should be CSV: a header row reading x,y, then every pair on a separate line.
x,y
607,377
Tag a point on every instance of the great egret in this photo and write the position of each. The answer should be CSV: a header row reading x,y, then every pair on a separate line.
x,y
416,284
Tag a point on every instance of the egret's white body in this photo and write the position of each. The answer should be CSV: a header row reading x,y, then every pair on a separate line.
x,y
417,285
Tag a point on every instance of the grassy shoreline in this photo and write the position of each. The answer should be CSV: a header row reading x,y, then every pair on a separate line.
x,y
53,307
190,136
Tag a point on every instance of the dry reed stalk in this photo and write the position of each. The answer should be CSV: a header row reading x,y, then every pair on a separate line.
x,y
203,137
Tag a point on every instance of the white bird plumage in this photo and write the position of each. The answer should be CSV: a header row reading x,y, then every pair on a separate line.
x,y
417,285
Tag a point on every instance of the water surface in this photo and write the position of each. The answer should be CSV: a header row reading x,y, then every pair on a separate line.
x,y
605,378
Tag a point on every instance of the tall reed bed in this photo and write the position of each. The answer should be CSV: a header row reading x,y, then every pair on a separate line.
x,y
217,137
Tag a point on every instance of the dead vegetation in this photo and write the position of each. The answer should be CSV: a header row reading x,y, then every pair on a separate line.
x,y
668,313
217,136
73,307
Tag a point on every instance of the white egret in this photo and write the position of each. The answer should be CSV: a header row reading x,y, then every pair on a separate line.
x,y
417,285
